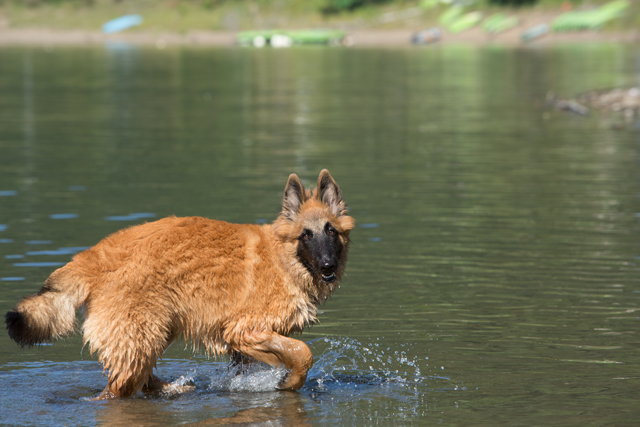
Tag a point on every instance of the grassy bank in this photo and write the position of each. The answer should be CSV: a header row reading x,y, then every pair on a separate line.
x,y
180,16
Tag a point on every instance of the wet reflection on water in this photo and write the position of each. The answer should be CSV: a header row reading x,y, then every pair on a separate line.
x,y
493,276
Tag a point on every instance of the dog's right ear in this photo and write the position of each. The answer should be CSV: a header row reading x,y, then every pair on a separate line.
x,y
293,197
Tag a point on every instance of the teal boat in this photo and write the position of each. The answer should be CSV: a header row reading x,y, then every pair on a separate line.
x,y
298,37
535,32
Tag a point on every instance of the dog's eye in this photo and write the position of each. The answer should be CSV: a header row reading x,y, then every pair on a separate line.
x,y
330,230
307,235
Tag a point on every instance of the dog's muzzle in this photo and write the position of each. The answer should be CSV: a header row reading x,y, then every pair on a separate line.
x,y
329,278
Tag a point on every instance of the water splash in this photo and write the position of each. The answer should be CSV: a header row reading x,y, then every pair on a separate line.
x,y
253,377
185,380
396,376
346,360
342,362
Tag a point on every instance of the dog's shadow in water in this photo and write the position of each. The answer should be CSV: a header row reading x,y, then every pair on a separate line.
x,y
273,408
285,409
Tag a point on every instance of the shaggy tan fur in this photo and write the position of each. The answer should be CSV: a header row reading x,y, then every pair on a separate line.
x,y
225,287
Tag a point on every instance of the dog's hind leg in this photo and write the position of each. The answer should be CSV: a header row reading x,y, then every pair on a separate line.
x,y
153,385
277,350
138,376
129,340
156,385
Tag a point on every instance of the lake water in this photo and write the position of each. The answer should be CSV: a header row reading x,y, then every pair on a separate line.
x,y
493,277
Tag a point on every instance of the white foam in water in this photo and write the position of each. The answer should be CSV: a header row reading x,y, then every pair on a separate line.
x,y
256,377
185,379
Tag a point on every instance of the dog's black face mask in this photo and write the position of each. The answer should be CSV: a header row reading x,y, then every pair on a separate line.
x,y
319,251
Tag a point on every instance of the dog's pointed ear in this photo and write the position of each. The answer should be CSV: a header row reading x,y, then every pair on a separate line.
x,y
329,193
293,197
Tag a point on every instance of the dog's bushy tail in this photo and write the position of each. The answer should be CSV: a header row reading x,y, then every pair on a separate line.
x,y
47,315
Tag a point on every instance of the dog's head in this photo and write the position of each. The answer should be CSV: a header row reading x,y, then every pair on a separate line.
x,y
318,224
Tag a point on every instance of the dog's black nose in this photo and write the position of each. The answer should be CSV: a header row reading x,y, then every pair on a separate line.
x,y
328,266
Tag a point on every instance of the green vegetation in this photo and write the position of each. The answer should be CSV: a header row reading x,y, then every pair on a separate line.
x,y
229,15
513,2
592,19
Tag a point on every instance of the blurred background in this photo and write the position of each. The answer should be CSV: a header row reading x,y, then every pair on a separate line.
x,y
480,19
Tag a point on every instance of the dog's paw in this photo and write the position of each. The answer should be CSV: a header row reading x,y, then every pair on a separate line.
x,y
158,386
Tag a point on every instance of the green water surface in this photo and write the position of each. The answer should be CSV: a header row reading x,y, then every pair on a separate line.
x,y
493,276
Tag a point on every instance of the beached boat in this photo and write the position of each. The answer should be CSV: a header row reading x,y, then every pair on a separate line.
x,y
283,38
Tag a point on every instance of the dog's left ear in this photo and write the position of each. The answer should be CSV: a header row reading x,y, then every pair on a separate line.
x,y
294,197
329,193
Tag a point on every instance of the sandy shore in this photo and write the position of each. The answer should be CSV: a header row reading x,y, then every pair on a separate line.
x,y
360,38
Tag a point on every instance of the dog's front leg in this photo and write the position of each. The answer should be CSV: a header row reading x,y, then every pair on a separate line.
x,y
277,350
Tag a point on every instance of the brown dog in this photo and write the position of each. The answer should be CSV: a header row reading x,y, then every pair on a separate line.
x,y
237,289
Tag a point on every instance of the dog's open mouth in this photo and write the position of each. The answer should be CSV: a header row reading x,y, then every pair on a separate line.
x,y
330,278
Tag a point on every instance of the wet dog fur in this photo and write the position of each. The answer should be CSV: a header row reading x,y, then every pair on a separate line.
x,y
239,289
